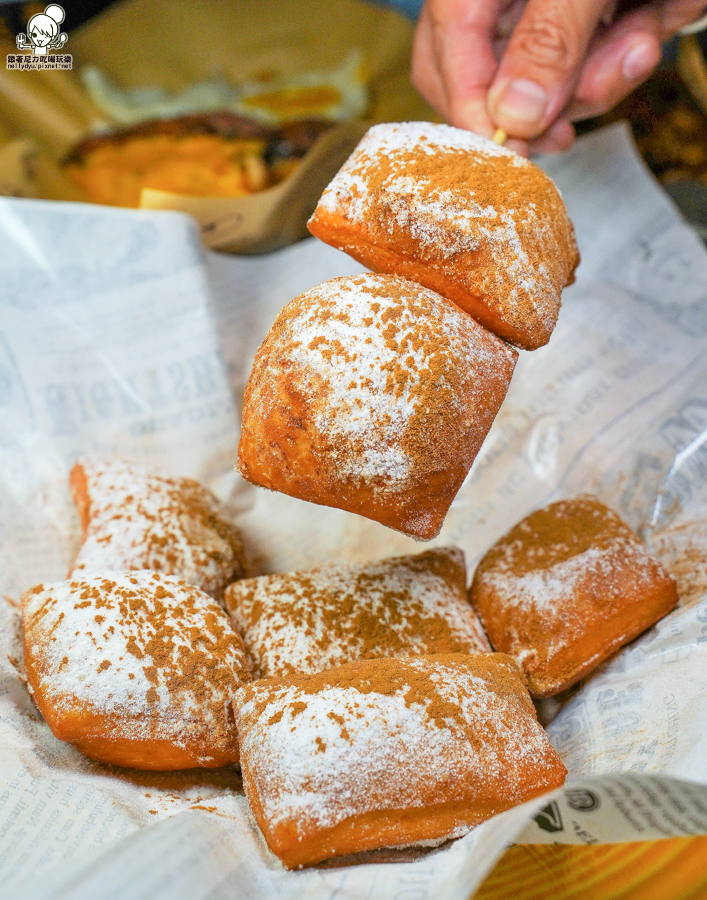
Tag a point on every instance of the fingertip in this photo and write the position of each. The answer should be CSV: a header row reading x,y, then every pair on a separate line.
x,y
518,106
518,146
472,116
640,57
557,139
618,64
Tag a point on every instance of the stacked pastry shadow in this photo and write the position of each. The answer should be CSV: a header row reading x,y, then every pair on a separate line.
x,y
364,703
374,393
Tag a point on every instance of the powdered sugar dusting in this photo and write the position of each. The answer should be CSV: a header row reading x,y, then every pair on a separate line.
x,y
151,650
372,356
305,622
546,588
549,594
564,587
141,520
392,734
401,189
389,139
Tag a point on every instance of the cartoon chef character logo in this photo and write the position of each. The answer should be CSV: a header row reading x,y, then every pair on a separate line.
x,y
43,32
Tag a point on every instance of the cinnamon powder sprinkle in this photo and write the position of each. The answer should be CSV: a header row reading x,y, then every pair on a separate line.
x,y
305,622
392,734
137,519
451,201
164,662
561,574
390,385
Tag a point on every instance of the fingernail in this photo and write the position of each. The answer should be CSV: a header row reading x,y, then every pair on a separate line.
x,y
639,61
523,100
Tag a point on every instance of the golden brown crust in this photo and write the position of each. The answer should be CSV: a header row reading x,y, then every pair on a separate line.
x,y
101,736
392,262
386,752
566,588
373,395
79,490
369,831
136,670
472,221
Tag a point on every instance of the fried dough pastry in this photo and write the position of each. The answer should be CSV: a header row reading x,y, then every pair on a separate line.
x,y
455,212
566,588
305,622
138,669
372,394
389,752
133,518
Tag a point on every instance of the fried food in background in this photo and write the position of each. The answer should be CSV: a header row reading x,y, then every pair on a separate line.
x,y
210,139
213,155
162,59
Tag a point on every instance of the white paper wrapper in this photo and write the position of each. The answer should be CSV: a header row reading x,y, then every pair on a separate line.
x,y
118,337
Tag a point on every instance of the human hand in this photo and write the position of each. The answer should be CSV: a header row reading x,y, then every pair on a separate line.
x,y
532,66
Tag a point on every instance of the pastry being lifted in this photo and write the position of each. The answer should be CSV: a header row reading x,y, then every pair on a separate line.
x,y
455,212
372,394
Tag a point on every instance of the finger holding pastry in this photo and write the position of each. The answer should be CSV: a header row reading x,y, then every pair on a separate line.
x,y
533,67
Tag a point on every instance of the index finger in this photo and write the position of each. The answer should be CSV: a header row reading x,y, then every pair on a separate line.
x,y
542,63
462,41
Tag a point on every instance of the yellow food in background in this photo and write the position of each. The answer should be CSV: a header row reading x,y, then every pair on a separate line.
x,y
673,869
205,165
294,102
338,95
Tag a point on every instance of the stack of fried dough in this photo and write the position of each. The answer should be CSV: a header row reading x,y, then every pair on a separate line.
x,y
369,706
374,393
378,705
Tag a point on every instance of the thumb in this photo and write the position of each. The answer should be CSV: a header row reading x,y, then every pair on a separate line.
x,y
542,63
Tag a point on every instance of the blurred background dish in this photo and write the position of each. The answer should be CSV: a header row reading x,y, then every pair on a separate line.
x,y
142,61
210,155
236,114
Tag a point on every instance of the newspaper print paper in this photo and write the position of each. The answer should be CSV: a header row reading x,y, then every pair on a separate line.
x,y
118,337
